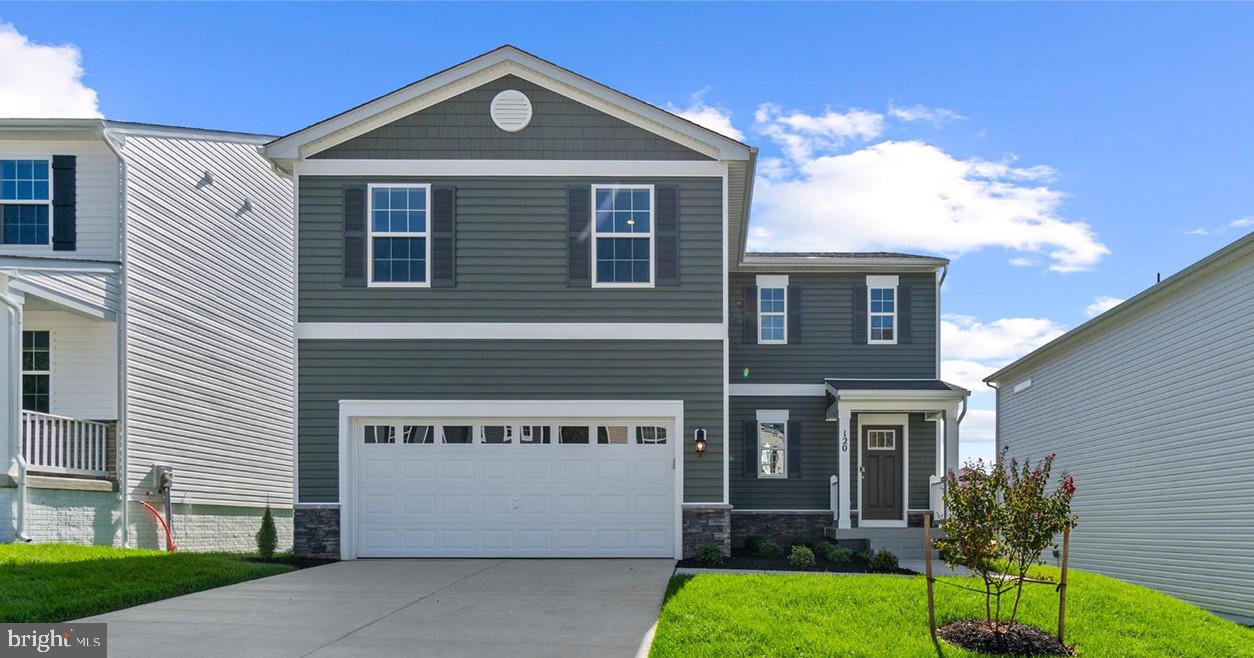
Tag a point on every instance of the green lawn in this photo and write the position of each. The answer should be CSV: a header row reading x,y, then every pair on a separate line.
x,y
822,615
57,582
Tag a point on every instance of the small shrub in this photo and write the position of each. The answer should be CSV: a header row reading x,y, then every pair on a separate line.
x,y
267,535
801,541
883,562
709,554
801,556
834,553
752,542
769,549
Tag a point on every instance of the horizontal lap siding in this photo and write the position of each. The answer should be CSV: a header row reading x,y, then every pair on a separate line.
x,y
827,349
818,454
97,290
1154,418
331,371
84,363
209,322
511,259
922,460
461,128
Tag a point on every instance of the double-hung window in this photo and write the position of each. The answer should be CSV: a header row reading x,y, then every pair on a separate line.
x,y
25,202
622,235
772,309
400,240
882,310
36,371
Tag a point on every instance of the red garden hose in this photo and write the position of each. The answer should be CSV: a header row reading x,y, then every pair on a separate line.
x,y
169,537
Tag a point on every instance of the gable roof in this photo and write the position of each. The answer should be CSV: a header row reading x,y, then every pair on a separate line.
x,y
1238,249
489,66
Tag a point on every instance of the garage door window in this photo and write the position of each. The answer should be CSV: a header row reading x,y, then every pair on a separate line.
x,y
417,434
572,435
612,435
497,434
650,435
380,434
456,433
535,434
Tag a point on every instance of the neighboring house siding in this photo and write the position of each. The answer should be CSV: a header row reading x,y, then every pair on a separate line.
x,y
810,491
96,291
827,349
461,128
511,259
333,370
209,321
1153,417
84,362
96,175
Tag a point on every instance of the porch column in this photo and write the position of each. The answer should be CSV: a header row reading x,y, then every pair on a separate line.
x,y
11,371
951,438
844,415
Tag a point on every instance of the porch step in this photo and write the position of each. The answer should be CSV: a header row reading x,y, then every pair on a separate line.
x,y
906,543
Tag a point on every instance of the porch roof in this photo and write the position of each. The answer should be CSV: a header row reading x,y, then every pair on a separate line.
x,y
892,394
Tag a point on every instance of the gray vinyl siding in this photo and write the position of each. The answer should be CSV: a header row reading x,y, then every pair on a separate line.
x,y
1153,417
511,259
461,128
922,460
827,349
208,322
334,370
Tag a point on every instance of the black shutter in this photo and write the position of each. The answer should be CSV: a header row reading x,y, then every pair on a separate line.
x,y
749,314
666,235
64,203
750,448
859,315
578,232
794,449
794,314
905,315
355,236
443,237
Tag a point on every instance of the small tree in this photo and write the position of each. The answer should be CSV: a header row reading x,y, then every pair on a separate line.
x,y
998,521
267,536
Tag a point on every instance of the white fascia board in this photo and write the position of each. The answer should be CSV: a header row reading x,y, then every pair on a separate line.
x,y
16,264
768,390
510,331
855,395
560,168
857,264
485,68
521,409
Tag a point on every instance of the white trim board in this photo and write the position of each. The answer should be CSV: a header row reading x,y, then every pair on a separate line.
x,y
902,420
554,168
794,390
510,330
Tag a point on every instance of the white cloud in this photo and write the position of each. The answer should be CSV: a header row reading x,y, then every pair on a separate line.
x,y
967,374
1000,341
908,195
1198,231
40,80
1101,304
937,116
714,117
1020,261
1242,222
801,134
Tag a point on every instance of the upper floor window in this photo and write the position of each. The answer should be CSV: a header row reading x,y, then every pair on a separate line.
x,y
36,371
771,315
622,235
882,309
25,202
400,245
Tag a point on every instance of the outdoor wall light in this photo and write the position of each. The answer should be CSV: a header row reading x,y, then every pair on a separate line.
x,y
699,442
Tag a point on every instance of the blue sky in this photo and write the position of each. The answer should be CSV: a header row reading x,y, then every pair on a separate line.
x,y
1110,141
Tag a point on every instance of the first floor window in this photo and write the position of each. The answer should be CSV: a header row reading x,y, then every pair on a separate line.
x,y
36,371
883,314
622,234
772,446
771,313
399,237
24,201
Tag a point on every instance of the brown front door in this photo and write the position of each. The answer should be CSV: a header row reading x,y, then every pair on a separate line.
x,y
882,467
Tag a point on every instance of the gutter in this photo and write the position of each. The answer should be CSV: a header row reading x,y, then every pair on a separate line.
x,y
115,145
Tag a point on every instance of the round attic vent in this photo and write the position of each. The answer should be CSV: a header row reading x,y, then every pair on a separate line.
x,y
511,110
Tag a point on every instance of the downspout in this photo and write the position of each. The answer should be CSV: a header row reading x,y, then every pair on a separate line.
x,y
120,433
14,402
996,419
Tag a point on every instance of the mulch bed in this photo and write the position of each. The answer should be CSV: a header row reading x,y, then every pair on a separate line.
x,y
750,562
1017,640
292,560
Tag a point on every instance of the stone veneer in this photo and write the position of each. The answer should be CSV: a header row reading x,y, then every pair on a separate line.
x,y
779,527
317,532
706,524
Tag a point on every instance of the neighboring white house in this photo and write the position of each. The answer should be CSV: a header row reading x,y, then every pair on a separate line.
x,y
146,281
1151,406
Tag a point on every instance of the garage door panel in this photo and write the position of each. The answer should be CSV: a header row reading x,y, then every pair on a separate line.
x,y
419,503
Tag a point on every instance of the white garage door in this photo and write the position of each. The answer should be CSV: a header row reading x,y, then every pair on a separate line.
x,y
431,487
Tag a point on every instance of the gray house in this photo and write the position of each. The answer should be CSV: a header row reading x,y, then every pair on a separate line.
x,y
145,317
1151,406
527,326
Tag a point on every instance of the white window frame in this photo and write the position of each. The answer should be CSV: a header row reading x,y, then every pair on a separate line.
x,y
371,234
890,432
32,202
596,282
882,283
772,282
25,372
771,417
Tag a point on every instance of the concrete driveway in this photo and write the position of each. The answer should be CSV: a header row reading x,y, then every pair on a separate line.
x,y
475,608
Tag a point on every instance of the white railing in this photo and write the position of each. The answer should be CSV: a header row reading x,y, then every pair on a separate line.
x,y
57,444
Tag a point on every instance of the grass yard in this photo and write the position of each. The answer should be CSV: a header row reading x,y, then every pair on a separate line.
x,y
822,615
57,582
